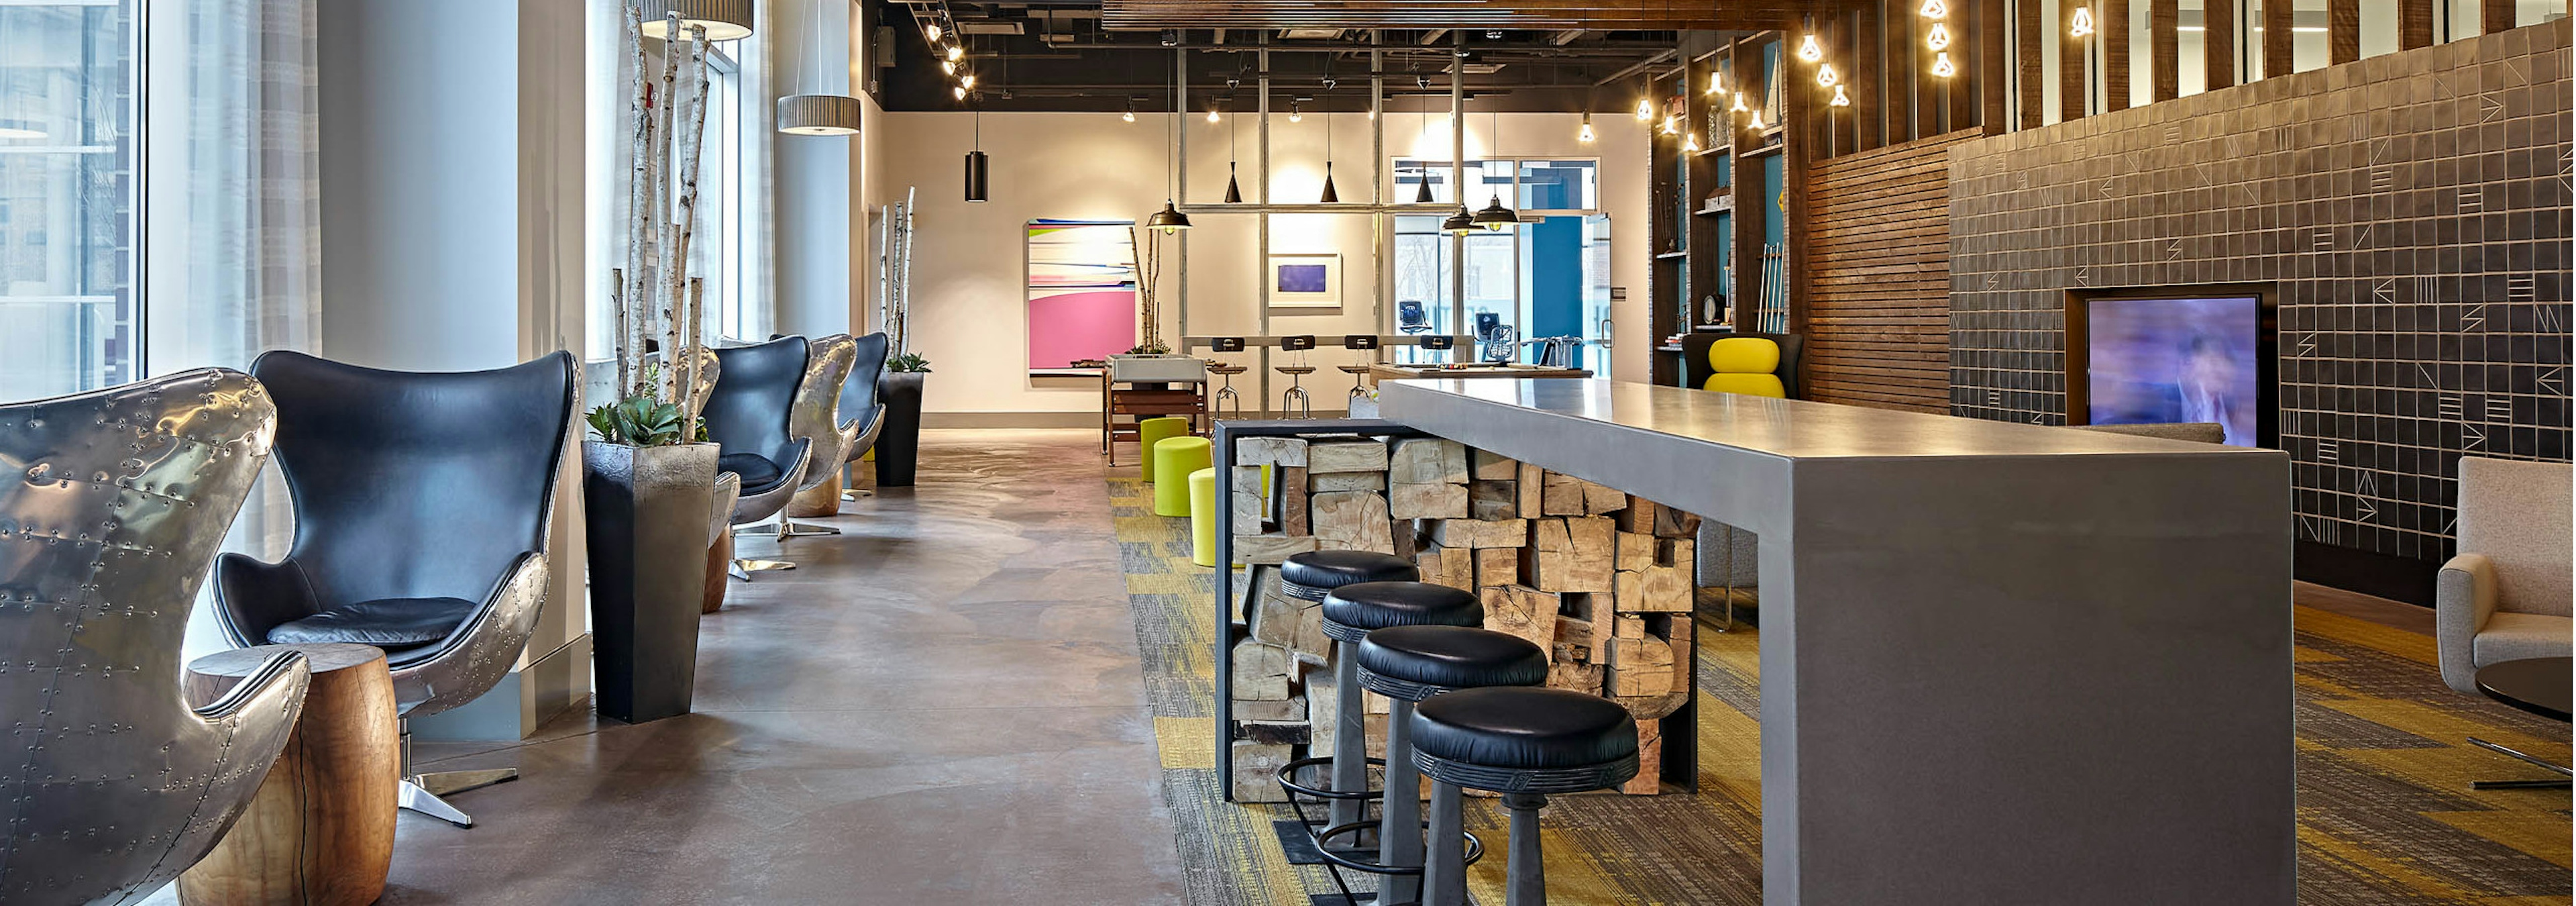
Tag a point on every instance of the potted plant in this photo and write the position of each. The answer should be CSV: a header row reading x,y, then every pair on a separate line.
x,y
1153,362
648,483
899,445
646,490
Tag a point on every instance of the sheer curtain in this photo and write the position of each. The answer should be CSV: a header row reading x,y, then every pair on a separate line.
x,y
232,209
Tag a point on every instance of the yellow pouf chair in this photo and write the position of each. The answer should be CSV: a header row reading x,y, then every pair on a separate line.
x,y
1173,459
1745,365
1152,431
1203,517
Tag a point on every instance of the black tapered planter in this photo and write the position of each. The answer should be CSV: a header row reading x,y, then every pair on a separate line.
x,y
899,445
647,527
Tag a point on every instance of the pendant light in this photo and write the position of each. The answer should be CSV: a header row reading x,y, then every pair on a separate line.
x,y
724,20
1233,144
1585,135
811,114
2082,24
1494,216
1459,224
978,166
1422,188
1329,196
1170,220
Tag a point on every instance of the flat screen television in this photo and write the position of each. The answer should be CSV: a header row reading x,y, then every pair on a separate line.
x,y
2187,354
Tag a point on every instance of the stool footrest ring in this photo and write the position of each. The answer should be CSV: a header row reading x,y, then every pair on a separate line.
x,y
1288,774
1475,850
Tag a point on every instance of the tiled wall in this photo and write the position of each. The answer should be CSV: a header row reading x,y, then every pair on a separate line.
x,y
2411,211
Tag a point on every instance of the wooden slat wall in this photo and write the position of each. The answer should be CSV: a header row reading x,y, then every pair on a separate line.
x,y
1878,318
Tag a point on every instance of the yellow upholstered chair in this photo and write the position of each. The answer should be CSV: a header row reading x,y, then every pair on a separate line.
x,y
1174,458
1745,365
1152,431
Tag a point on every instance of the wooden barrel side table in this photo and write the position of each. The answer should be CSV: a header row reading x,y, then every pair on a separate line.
x,y
321,830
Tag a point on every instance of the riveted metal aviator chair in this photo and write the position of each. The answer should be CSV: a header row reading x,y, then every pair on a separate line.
x,y
749,414
863,416
423,503
115,501
816,418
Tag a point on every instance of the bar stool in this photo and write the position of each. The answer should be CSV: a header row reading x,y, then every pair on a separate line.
x,y
1313,576
1226,395
1409,664
1295,399
1356,372
1523,743
1351,612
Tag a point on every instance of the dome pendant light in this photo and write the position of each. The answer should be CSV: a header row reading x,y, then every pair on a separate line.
x,y
724,20
1495,216
811,114
1458,224
1170,220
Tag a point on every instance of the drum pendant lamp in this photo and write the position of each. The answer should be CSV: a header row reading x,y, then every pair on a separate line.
x,y
724,20
814,114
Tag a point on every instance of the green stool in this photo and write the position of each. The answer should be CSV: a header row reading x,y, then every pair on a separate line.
x,y
1173,459
1203,517
1152,431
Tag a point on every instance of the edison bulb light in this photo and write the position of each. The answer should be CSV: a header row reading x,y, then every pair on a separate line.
x,y
1213,117
2083,23
1941,65
1825,75
1938,38
1935,9
1809,50
1585,136
1645,110
1840,99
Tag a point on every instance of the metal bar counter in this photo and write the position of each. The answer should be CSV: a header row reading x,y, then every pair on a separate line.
x,y
2000,663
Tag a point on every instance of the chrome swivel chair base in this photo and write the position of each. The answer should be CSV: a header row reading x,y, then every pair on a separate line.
x,y
2562,782
788,529
743,568
421,792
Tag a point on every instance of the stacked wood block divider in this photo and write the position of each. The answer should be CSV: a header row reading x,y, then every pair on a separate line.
x,y
1601,580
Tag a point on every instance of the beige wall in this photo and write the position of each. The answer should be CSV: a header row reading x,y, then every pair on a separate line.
x,y
968,311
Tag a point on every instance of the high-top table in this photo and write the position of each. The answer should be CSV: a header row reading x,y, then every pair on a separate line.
x,y
2000,663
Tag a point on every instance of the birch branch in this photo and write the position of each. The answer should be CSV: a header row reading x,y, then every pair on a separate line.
x,y
638,195
691,149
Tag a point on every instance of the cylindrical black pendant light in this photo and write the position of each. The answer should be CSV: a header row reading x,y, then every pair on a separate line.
x,y
978,176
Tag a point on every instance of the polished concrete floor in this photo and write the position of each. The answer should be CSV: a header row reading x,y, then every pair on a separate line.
x,y
940,705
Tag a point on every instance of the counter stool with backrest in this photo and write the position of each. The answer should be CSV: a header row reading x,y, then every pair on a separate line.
x,y
1313,576
1523,743
1226,396
1409,664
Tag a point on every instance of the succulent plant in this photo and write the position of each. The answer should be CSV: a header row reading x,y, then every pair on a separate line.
x,y
640,421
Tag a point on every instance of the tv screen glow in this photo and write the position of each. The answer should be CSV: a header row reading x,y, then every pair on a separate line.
x,y
2153,361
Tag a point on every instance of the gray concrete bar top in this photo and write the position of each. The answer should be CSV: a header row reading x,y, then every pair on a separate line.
x,y
2001,663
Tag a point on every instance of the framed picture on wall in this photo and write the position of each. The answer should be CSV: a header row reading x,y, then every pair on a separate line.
x,y
1306,281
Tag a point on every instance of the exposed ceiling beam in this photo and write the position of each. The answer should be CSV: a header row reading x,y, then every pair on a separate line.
x,y
1545,15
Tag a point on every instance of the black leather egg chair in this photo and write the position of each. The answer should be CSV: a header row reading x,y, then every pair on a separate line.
x,y
423,504
748,414
116,501
864,416
828,362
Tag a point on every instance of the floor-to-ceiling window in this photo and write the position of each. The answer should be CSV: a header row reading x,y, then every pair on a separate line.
x,y
1548,278
723,246
69,314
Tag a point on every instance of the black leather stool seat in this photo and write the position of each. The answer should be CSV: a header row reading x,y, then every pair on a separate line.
x,y
1352,611
1309,575
1416,662
1521,728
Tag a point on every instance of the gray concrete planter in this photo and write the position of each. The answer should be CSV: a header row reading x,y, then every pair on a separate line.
x,y
647,527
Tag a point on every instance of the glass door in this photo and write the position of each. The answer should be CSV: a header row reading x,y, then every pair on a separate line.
x,y
1548,278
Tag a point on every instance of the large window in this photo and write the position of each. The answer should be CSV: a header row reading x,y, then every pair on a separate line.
x,y
721,250
68,313
1548,278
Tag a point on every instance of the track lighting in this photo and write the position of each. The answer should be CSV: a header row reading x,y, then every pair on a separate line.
x,y
932,32
959,91
956,51
1809,50
1938,38
967,82
948,67
1941,65
1825,75
2082,24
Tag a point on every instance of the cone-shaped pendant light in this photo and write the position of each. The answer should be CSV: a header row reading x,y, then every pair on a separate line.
x,y
1329,195
1233,188
1422,190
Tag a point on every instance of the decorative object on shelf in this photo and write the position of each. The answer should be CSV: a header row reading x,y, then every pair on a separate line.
x,y
719,20
1306,280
